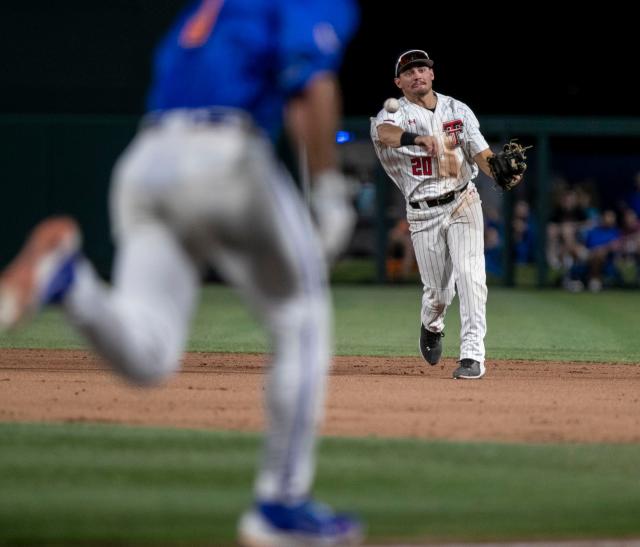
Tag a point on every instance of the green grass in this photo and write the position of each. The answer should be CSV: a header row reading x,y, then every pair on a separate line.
x,y
98,483
375,320
123,485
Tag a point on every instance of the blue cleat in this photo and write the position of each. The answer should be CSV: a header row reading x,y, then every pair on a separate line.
x,y
42,273
308,523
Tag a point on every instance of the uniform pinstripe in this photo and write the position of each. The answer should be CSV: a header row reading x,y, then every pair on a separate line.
x,y
448,239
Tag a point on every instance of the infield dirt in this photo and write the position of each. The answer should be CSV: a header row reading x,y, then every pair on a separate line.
x,y
517,401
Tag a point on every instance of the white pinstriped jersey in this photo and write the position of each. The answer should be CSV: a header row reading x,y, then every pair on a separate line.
x,y
418,175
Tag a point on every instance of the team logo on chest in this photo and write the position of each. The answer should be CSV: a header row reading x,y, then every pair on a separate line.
x,y
453,130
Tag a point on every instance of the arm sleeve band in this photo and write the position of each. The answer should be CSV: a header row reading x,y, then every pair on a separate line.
x,y
408,139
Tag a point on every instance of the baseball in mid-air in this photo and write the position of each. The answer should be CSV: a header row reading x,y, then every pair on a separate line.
x,y
391,105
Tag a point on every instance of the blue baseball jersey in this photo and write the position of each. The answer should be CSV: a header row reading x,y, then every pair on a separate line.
x,y
249,54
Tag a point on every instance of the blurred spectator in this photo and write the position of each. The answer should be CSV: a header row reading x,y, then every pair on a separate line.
x,y
366,199
524,233
567,220
363,190
493,241
400,259
634,198
630,232
630,242
601,242
586,199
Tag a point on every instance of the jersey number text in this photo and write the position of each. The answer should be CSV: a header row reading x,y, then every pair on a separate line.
x,y
421,166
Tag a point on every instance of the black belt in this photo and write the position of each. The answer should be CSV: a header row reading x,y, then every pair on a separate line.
x,y
441,200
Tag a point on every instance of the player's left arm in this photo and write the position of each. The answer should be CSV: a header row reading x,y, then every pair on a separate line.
x,y
481,159
479,149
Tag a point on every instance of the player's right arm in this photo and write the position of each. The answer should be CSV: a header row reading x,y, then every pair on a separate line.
x,y
391,135
312,119
311,47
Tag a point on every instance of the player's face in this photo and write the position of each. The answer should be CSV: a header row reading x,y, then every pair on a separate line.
x,y
416,81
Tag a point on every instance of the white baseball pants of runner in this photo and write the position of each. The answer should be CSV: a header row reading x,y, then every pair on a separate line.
x,y
449,244
188,194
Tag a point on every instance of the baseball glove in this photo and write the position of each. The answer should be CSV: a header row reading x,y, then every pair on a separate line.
x,y
508,166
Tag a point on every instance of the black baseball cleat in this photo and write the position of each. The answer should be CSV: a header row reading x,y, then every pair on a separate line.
x,y
469,369
430,345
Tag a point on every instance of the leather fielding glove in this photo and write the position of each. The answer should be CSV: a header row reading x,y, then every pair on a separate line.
x,y
508,166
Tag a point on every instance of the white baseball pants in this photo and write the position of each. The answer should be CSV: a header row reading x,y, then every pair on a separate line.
x,y
449,245
189,194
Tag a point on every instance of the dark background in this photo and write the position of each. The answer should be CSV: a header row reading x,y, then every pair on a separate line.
x,y
85,57
78,56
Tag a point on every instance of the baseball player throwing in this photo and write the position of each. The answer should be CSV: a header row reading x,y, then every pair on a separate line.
x,y
200,185
431,147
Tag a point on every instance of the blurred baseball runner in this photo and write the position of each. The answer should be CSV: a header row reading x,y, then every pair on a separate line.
x,y
199,186
431,147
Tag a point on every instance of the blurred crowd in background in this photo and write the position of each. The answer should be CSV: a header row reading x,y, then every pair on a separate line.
x,y
589,246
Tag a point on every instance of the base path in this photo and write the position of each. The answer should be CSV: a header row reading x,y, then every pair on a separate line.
x,y
517,401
